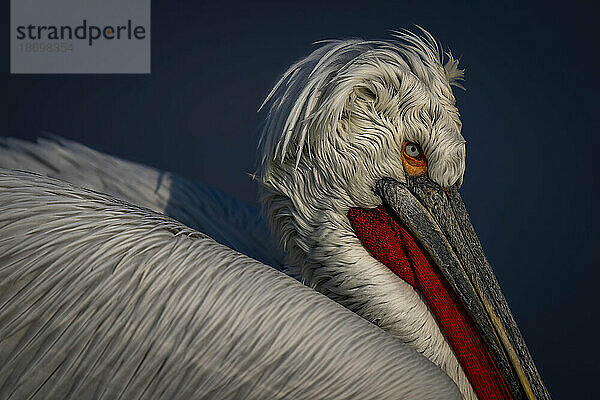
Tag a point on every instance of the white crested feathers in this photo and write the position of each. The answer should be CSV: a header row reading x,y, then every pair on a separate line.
x,y
337,120
410,88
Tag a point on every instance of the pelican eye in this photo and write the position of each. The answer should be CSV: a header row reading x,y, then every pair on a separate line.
x,y
412,150
413,160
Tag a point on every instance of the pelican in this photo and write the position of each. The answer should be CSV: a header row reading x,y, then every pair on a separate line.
x,y
121,281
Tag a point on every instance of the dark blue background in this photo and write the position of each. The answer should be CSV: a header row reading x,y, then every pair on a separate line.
x,y
530,119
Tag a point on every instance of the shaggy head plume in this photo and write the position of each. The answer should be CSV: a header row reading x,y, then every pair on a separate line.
x,y
337,120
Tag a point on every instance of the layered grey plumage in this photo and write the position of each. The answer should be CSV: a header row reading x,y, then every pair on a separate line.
x,y
103,299
222,217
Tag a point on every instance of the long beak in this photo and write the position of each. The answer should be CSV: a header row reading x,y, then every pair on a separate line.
x,y
438,219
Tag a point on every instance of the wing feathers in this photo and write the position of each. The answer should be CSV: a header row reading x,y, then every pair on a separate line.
x,y
103,299
215,213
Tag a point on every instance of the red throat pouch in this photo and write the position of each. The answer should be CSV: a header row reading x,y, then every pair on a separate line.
x,y
391,244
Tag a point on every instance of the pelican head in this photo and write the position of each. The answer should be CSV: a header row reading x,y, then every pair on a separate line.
x,y
361,158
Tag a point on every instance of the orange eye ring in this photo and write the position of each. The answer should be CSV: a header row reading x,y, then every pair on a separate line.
x,y
413,159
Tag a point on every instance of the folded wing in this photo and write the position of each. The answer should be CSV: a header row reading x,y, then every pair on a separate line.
x,y
103,299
